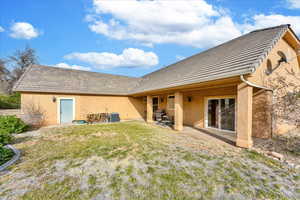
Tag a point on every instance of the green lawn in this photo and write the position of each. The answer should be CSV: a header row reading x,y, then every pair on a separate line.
x,y
133,160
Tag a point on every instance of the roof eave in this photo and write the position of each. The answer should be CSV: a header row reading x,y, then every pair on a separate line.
x,y
71,92
210,78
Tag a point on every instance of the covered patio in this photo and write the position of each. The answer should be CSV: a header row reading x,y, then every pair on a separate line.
x,y
223,111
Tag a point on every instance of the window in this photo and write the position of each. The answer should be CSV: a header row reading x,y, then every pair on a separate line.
x,y
221,114
269,67
155,104
171,102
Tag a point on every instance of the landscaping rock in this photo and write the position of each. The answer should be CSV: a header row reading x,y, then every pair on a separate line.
x,y
290,164
277,155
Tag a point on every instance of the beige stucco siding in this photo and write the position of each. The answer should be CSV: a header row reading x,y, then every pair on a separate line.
x,y
127,107
261,78
262,123
194,111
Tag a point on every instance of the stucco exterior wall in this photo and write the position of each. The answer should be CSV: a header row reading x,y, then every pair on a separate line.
x,y
291,72
260,77
261,114
127,107
194,111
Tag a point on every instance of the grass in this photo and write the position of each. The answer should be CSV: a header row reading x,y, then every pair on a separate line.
x,y
134,160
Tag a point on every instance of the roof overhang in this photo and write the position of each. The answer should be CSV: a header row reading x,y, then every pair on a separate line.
x,y
224,82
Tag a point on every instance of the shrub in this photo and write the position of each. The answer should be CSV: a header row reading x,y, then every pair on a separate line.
x,y
10,102
12,124
5,137
5,154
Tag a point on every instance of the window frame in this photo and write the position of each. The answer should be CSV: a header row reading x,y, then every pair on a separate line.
x,y
206,99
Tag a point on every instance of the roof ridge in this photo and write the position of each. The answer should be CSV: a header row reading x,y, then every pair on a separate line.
x,y
22,76
272,43
76,70
222,44
269,28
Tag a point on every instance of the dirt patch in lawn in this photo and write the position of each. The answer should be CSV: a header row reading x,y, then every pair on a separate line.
x,y
288,145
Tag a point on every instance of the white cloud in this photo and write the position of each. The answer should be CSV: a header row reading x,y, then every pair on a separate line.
x,y
130,57
179,57
263,21
77,67
1,29
194,22
23,30
293,4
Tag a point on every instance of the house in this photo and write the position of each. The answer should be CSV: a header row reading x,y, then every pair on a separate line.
x,y
222,88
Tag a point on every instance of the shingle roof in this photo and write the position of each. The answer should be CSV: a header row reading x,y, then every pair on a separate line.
x,y
238,56
39,78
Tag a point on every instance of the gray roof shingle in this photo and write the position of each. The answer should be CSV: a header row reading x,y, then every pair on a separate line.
x,y
238,56
39,78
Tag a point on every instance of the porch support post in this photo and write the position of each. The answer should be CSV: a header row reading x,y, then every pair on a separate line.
x,y
178,111
149,109
244,116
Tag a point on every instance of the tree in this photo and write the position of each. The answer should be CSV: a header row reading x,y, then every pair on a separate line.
x,y
20,61
4,77
4,73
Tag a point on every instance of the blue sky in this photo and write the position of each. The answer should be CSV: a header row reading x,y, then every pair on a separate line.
x,y
131,37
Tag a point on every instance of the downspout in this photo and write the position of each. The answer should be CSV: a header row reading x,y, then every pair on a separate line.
x,y
254,85
263,88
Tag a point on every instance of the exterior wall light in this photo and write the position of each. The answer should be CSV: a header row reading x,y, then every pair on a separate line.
x,y
54,99
189,99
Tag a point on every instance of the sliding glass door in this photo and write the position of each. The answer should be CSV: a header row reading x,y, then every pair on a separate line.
x,y
221,114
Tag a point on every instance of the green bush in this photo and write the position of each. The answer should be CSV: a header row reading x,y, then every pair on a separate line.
x,y
5,137
12,124
5,154
10,102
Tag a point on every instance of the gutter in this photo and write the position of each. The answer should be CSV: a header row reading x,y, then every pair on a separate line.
x,y
254,85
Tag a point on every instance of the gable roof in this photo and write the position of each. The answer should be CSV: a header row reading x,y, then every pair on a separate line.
x,y
239,56
38,78
235,57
